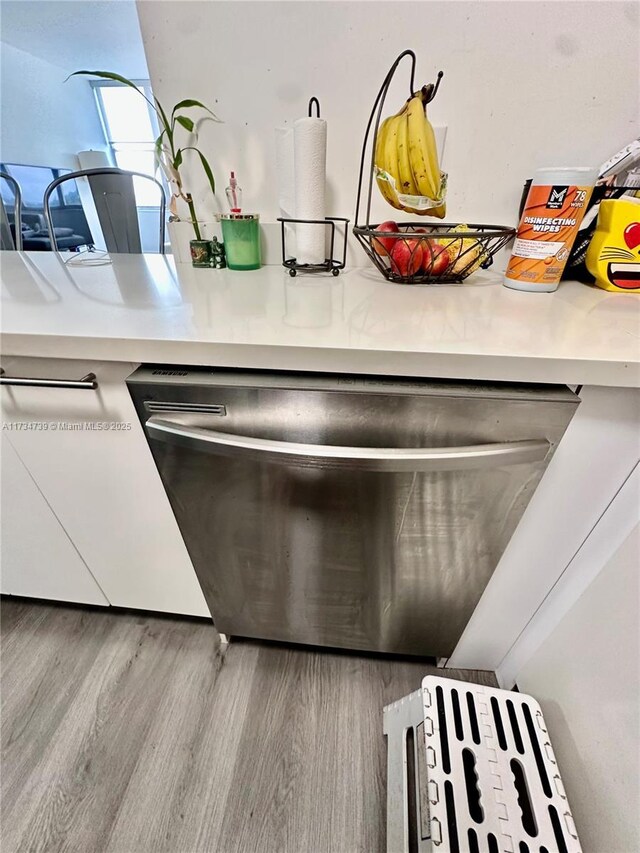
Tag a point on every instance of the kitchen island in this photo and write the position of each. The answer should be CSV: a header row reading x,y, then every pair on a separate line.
x,y
62,321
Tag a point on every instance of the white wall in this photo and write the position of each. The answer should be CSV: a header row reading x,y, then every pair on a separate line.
x,y
43,120
526,84
586,676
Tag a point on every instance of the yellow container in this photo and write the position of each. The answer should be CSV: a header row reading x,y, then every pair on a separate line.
x,y
613,256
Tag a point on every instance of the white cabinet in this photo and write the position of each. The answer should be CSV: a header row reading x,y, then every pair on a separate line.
x,y
87,453
37,557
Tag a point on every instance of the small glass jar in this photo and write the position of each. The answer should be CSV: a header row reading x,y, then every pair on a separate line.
x,y
241,237
200,253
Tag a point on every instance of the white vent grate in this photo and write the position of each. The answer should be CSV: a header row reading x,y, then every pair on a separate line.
x,y
492,782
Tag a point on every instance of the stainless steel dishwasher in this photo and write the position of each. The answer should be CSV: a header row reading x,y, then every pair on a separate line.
x,y
362,513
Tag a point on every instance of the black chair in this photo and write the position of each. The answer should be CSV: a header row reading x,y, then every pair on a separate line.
x,y
11,232
115,202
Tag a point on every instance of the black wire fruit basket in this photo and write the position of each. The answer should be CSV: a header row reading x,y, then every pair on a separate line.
x,y
442,253
420,252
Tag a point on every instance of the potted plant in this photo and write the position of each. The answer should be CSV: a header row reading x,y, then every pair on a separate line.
x,y
169,157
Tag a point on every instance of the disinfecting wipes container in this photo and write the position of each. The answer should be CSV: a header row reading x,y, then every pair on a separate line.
x,y
555,205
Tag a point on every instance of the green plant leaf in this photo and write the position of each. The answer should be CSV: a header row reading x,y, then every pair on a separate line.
x,y
187,123
205,166
191,102
163,120
107,75
164,160
110,75
177,160
158,152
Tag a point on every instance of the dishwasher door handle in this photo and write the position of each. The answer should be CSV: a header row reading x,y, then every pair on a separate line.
x,y
359,458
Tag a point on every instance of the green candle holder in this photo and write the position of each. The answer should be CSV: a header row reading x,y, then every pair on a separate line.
x,y
241,236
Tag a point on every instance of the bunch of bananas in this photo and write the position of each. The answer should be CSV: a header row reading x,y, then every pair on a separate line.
x,y
406,152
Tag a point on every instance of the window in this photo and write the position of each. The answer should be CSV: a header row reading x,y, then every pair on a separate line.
x,y
130,128
33,182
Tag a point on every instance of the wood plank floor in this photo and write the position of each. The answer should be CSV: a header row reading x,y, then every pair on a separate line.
x,y
129,733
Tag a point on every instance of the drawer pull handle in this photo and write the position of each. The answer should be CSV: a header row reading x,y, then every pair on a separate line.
x,y
88,382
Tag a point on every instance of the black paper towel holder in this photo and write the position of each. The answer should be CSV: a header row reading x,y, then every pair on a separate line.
x,y
330,264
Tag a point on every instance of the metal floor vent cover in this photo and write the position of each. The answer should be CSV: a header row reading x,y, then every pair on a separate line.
x,y
471,770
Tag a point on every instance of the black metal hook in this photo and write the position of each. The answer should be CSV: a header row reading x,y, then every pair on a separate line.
x,y
317,103
434,88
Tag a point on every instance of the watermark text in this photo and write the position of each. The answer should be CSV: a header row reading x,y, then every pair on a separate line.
x,y
66,426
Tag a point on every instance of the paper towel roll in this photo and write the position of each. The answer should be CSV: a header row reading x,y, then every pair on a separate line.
x,y
310,168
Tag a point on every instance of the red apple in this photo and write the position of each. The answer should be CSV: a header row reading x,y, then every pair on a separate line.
x,y
435,258
406,257
383,245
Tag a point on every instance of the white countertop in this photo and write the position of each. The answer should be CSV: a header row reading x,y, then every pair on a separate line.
x,y
144,308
